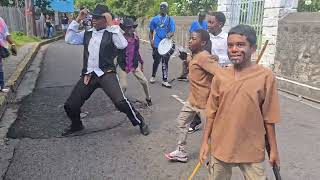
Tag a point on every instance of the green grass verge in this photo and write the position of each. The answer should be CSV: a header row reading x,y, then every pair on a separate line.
x,y
20,38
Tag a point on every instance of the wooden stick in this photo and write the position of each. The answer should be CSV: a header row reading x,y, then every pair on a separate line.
x,y
262,51
194,171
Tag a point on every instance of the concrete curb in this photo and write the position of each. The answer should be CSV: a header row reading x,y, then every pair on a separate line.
x,y
17,76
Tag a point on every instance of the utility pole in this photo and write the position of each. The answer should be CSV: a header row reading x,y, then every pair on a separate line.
x,y
30,21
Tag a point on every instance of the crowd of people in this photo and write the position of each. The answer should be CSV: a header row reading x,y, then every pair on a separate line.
x,y
236,100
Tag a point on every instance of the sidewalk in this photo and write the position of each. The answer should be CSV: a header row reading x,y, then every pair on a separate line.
x,y
10,64
14,68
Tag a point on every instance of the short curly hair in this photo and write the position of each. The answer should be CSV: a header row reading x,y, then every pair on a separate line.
x,y
219,16
245,30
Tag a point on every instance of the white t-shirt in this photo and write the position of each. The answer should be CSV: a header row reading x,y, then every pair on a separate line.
x,y
220,46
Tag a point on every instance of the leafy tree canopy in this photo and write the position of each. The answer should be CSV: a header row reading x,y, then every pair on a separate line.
x,y
309,6
140,8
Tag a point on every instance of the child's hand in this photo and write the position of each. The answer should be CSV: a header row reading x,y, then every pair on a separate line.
x,y
203,152
274,158
142,69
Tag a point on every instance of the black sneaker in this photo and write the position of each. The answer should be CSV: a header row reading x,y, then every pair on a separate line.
x,y
194,129
144,129
182,78
72,129
149,102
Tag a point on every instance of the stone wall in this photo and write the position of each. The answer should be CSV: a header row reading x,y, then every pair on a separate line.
x,y
274,10
297,58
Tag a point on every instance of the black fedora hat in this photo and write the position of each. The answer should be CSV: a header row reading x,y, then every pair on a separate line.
x,y
128,22
99,10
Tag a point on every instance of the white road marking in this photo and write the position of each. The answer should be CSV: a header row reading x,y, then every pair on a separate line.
x,y
178,99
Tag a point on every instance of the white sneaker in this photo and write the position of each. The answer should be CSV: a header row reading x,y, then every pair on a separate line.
x,y
152,80
178,155
166,84
5,90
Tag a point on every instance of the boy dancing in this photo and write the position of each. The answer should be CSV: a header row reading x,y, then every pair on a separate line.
x,y
243,107
129,59
202,66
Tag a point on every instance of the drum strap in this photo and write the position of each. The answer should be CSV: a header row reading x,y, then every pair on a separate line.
x,y
168,28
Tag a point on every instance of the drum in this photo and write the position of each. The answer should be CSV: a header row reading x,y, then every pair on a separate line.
x,y
166,47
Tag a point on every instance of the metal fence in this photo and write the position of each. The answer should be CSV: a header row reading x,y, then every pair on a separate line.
x,y
14,18
16,21
248,12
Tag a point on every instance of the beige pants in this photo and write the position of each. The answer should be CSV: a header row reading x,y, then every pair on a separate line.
x,y
219,170
185,117
140,77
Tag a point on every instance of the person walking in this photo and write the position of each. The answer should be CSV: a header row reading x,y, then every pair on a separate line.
x,y
129,59
242,110
4,52
49,26
161,26
218,37
200,23
99,71
64,22
202,67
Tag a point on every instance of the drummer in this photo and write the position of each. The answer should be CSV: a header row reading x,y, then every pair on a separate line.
x,y
161,26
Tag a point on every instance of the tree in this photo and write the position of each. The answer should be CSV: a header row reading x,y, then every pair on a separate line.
x,y
309,6
43,5
90,4
141,8
12,3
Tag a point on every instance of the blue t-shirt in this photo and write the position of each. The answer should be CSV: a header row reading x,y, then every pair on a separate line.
x,y
161,26
196,25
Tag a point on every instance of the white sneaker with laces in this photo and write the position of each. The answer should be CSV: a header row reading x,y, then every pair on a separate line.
x,y
178,155
152,80
166,84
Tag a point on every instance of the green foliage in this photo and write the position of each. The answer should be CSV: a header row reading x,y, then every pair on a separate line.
x,y
20,38
141,8
43,5
313,7
90,4
191,7
11,3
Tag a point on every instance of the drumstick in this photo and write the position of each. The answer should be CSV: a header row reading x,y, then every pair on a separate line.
x,y
262,51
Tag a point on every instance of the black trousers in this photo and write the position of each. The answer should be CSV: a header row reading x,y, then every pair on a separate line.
x,y
110,84
156,61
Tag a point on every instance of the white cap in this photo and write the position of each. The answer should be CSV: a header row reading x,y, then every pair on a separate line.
x,y
164,3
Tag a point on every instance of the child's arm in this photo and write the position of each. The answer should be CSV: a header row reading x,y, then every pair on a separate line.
x,y
271,137
210,64
271,115
212,107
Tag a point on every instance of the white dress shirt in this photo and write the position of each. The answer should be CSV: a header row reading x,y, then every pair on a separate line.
x,y
73,36
220,46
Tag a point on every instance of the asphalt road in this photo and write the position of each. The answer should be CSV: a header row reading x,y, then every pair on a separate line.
x,y
111,148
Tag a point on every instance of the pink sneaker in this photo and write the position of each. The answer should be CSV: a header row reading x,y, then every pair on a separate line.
x,y
178,155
